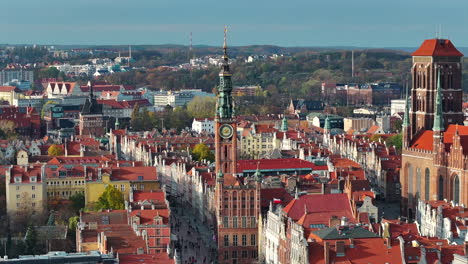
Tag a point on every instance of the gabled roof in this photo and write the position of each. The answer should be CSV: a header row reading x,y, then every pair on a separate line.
x,y
5,89
437,48
425,139
325,205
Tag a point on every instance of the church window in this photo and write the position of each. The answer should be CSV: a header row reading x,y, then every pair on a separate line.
x,y
226,240
441,188
456,189
410,182
418,183
427,182
253,240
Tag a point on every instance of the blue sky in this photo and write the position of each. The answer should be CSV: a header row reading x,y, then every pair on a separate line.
x,y
365,23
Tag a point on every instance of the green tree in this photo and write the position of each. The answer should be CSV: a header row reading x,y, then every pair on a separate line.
x,y
201,151
202,107
375,137
135,118
72,223
55,150
395,140
111,198
49,72
46,107
77,201
31,240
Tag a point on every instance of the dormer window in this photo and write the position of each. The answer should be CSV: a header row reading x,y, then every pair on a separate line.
x,y
17,179
33,179
158,220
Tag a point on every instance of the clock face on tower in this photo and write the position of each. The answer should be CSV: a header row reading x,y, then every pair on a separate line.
x,y
226,131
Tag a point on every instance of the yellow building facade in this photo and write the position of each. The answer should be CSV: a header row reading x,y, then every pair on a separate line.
x,y
25,190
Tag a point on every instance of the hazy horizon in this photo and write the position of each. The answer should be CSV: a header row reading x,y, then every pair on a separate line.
x,y
299,23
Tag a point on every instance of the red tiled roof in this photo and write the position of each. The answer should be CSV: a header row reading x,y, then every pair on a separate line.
x,y
26,173
425,140
365,250
132,173
373,129
5,89
156,258
437,48
268,195
397,228
324,205
149,196
115,217
272,164
147,216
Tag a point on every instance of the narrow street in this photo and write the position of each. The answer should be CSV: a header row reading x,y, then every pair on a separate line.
x,y
195,242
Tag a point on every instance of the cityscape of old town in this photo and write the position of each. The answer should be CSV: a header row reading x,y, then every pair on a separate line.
x,y
244,132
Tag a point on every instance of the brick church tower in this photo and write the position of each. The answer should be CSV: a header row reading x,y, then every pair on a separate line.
x,y
433,57
435,150
237,199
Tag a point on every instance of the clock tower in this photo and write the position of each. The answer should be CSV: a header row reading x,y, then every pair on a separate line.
x,y
237,199
225,123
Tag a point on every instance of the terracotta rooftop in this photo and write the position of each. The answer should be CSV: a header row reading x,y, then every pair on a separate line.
x,y
323,205
437,48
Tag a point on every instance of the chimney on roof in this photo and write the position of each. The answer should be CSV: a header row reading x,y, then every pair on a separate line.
x,y
344,221
388,242
340,248
326,252
351,243
334,221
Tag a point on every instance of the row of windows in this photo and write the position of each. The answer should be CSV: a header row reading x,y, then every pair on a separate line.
x,y
427,181
235,222
63,193
33,196
244,242
242,254
18,205
81,182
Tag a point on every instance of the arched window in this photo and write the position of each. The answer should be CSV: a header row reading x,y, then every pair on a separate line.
x,y
441,188
418,183
427,182
456,189
410,183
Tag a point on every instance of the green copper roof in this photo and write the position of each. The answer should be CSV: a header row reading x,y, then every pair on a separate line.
x,y
224,104
258,175
327,124
438,119
407,104
220,175
284,124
